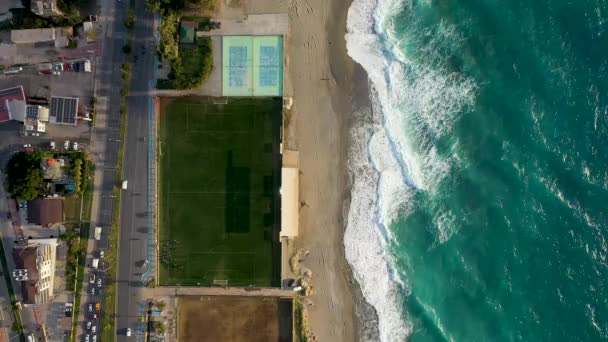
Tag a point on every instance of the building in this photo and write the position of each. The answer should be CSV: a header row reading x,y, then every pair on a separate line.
x,y
187,31
45,8
9,95
36,118
55,36
35,270
45,211
290,195
64,110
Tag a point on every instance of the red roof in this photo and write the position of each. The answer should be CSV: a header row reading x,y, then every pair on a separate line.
x,y
10,94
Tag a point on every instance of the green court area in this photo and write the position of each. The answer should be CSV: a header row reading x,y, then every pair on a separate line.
x,y
218,191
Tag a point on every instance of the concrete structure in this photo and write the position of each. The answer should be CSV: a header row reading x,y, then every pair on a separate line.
x,y
36,118
45,8
290,194
57,36
254,24
16,110
64,110
45,211
35,262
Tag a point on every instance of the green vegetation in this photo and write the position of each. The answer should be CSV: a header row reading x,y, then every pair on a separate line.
x,y
130,21
24,177
162,6
300,321
168,46
17,325
216,192
23,18
192,67
72,44
2,67
126,49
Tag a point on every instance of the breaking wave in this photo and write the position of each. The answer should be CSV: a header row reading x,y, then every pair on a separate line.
x,y
395,155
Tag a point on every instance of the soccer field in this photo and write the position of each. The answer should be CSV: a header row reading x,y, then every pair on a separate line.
x,y
218,192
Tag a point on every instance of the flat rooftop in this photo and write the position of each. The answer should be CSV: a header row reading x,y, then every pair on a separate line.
x,y
9,94
63,110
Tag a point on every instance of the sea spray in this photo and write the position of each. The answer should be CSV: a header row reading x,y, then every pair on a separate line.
x,y
479,185
395,156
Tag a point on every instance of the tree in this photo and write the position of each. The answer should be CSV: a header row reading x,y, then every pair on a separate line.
x,y
168,47
160,327
160,305
24,177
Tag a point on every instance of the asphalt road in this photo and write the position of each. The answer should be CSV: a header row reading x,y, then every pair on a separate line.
x,y
105,141
135,215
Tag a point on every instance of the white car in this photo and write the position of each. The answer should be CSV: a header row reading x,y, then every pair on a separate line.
x,y
52,145
86,338
101,254
66,145
94,330
128,331
94,338
89,324
75,146
27,145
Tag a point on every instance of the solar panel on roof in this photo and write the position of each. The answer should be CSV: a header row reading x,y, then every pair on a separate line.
x,y
64,109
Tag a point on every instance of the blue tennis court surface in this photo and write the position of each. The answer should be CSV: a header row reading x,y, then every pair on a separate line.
x,y
252,66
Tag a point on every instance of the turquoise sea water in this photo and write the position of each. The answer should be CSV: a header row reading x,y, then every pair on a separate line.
x,y
490,169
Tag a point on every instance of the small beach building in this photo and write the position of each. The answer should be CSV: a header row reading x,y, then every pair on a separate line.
x,y
290,195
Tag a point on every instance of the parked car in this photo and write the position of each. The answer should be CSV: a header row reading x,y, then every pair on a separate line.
x,y
101,254
52,145
99,282
76,66
66,66
92,291
89,324
90,307
94,329
75,146
66,145
86,338
128,331
92,278
94,338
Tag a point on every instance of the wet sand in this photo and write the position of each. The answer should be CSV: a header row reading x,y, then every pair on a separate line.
x,y
326,86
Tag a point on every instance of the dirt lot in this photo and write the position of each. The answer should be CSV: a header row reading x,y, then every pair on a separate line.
x,y
235,319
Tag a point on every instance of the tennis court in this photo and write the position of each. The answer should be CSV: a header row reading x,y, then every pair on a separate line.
x,y
252,66
218,184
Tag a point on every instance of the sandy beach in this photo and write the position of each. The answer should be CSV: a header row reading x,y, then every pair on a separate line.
x,y
322,79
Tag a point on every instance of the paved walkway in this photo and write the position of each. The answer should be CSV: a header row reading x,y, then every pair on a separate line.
x,y
254,24
218,291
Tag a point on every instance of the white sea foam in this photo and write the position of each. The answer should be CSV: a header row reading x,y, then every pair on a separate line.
x,y
395,157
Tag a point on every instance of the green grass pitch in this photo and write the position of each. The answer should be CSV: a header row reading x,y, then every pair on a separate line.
x,y
216,204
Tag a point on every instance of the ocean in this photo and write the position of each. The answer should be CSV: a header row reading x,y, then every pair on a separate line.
x,y
479,205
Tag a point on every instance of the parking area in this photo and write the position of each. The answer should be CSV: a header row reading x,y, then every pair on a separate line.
x,y
63,81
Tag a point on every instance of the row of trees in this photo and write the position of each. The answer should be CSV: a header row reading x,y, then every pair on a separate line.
x,y
24,175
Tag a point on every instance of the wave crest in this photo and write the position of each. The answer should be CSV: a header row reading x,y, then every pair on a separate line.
x,y
396,156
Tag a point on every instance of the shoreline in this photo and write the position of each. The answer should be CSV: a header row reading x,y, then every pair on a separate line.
x,y
328,87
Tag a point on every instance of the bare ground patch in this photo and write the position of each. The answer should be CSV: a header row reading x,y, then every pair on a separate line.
x,y
211,319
